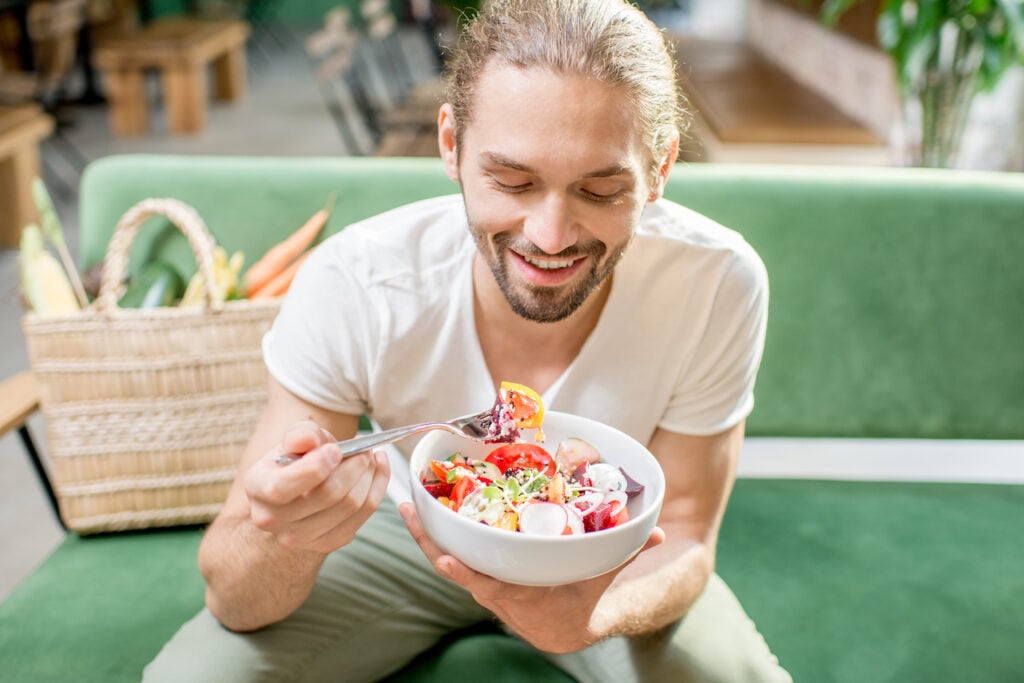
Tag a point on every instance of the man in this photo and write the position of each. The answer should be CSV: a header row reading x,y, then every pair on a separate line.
x,y
560,268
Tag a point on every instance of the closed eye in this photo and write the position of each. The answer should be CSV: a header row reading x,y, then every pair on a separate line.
x,y
602,197
513,189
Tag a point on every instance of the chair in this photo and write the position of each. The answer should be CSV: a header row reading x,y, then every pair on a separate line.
x,y
331,51
53,28
19,399
415,99
358,95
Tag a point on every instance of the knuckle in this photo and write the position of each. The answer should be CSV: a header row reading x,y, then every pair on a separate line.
x,y
275,493
334,490
262,518
289,539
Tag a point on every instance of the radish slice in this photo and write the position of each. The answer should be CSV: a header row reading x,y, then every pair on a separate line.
x,y
575,525
544,519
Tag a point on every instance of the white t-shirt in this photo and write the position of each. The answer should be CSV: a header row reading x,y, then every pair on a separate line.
x,y
380,321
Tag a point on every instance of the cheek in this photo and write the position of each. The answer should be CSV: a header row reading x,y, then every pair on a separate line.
x,y
491,216
615,227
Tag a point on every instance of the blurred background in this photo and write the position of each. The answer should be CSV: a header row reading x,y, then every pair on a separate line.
x,y
769,81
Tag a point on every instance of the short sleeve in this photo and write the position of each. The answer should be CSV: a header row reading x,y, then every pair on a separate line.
x,y
320,346
715,389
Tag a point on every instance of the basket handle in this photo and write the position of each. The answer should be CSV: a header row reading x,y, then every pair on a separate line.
x,y
183,217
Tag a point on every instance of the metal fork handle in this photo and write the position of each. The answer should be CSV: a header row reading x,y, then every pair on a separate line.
x,y
361,444
364,443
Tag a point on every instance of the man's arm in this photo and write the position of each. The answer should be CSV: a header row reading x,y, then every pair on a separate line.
x,y
261,555
653,590
661,584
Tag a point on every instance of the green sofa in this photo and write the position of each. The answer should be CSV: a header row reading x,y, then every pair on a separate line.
x,y
895,314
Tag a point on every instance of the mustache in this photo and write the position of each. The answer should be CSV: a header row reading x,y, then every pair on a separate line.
x,y
525,247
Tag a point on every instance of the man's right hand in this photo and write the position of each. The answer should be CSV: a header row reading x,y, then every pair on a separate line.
x,y
318,502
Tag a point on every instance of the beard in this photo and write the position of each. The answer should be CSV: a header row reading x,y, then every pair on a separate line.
x,y
546,304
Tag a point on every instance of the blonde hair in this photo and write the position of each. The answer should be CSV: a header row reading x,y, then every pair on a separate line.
x,y
608,40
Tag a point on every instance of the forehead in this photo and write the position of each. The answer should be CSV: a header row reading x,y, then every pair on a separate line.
x,y
538,115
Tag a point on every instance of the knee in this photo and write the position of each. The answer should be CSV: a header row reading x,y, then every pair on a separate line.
x,y
203,651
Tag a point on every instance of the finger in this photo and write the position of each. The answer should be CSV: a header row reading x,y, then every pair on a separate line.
x,y
278,484
656,538
330,505
319,489
341,533
303,437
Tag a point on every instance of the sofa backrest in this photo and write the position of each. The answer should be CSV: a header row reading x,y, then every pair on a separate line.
x,y
897,302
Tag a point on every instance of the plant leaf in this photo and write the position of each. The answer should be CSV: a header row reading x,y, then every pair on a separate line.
x,y
833,10
1013,11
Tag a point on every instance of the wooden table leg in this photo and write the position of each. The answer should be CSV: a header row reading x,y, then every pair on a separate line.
x,y
229,74
185,97
21,129
16,207
126,97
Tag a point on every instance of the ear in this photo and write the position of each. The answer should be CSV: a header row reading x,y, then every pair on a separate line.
x,y
446,141
669,160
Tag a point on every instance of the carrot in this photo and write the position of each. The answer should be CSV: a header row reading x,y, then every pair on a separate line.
x,y
279,284
282,254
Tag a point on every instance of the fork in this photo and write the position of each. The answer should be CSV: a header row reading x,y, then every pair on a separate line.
x,y
477,426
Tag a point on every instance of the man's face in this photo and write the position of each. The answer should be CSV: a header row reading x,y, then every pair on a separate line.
x,y
555,177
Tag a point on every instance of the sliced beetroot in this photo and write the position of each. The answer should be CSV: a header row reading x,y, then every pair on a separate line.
x,y
633,487
580,474
599,518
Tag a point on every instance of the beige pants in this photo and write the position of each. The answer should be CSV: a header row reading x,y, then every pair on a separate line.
x,y
378,603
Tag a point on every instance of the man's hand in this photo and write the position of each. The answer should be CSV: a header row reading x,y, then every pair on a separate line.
x,y
555,619
320,501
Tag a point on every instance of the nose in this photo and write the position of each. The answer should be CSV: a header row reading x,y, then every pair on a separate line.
x,y
551,224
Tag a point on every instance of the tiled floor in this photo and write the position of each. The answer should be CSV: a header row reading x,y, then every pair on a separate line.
x,y
283,114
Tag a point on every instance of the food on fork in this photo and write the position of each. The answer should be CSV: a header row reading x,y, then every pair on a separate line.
x,y
516,407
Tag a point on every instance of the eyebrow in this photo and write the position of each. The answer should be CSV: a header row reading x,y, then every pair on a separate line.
x,y
498,159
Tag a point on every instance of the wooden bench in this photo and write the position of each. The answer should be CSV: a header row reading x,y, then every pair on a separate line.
x,y
21,129
747,109
181,49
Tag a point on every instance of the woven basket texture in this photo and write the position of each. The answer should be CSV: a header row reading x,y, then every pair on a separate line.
x,y
147,411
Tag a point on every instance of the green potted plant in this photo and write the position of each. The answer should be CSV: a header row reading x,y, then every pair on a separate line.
x,y
945,52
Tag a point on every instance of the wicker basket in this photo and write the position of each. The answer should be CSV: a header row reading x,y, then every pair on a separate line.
x,y
147,411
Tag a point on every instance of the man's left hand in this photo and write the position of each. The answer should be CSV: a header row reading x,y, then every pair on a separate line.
x,y
556,619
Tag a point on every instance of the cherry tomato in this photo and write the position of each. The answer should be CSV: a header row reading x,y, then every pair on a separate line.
x,y
463,487
439,489
442,468
522,455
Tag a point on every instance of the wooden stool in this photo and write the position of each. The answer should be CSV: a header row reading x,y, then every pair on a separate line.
x,y
180,48
21,129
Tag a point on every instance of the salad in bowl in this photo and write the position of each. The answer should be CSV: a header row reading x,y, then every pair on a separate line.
x,y
575,506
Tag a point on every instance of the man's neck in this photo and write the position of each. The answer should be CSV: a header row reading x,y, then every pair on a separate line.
x,y
520,350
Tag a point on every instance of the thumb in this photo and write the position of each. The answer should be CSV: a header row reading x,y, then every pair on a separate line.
x,y
303,437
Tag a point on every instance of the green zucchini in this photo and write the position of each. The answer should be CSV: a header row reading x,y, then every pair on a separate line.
x,y
157,284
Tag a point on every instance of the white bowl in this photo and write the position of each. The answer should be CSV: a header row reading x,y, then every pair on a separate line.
x,y
543,560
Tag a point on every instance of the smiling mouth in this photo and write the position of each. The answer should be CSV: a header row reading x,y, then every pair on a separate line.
x,y
550,264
